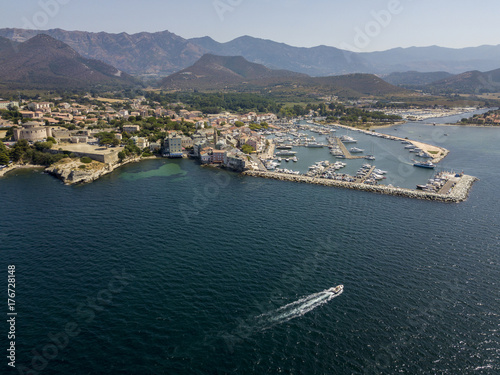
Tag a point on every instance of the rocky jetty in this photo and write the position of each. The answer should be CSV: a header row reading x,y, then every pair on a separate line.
x,y
459,193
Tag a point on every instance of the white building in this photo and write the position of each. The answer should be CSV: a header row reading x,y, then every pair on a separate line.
x,y
173,145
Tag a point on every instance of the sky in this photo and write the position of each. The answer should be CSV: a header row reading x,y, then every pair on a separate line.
x,y
356,25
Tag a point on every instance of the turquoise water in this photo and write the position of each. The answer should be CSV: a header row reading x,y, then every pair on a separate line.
x,y
164,267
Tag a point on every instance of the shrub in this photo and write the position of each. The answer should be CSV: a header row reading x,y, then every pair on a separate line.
x,y
86,160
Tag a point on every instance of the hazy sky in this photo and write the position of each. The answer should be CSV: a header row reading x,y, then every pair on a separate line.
x,y
361,25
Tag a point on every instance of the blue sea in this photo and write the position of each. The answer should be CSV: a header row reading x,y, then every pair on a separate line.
x,y
164,267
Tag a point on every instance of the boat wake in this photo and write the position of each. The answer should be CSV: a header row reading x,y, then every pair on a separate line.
x,y
298,308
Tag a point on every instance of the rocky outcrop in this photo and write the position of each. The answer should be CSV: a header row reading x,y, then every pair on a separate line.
x,y
73,171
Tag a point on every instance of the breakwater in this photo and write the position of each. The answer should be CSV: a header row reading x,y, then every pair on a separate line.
x,y
458,193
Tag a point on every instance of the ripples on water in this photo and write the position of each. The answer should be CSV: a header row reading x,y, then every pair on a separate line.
x,y
421,278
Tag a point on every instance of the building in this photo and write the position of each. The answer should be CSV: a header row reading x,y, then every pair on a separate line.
x,y
32,132
43,106
140,142
235,160
218,156
4,104
187,142
131,128
27,114
173,146
79,139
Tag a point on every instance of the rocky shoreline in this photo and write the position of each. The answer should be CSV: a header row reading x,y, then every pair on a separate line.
x,y
459,193
73,171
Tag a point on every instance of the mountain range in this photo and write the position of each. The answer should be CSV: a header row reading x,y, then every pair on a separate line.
x,y
43,62
164,53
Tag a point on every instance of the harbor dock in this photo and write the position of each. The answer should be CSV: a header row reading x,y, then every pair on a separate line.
x,y
458,193
345,151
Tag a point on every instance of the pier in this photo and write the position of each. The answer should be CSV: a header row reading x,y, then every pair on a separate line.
x,y
368,174
345,151
458,193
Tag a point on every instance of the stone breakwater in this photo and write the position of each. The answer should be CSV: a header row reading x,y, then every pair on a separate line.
x,y
458,193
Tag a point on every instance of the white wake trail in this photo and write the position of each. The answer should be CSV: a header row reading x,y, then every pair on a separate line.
x,y
296,309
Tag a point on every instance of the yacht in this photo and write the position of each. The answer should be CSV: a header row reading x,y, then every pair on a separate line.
x,y
286,153
347,139
370,157
356,150
294,159
315,145
424,164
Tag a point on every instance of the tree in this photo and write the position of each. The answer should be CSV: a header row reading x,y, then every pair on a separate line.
x,y
21,151
247,149
4,158
4,154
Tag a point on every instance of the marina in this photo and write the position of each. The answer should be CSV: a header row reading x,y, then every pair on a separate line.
x,y
404,166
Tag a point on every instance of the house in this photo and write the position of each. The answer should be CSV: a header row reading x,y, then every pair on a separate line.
x,y
27,114
187,142
140,142
131,128
42,106
4,104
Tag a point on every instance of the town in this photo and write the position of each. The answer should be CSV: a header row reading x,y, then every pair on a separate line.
x,y
80,140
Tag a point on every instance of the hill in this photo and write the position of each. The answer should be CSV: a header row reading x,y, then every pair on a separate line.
x,y
415,79
473,82
218,72
234,73
7,45
43,62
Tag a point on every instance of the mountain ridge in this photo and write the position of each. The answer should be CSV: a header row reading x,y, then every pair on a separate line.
x,y
43,62
164,53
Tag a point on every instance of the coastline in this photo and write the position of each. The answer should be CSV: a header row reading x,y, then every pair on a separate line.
x,y
70,173
14,167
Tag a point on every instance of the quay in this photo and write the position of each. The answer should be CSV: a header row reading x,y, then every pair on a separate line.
x,y
459,192
345,151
